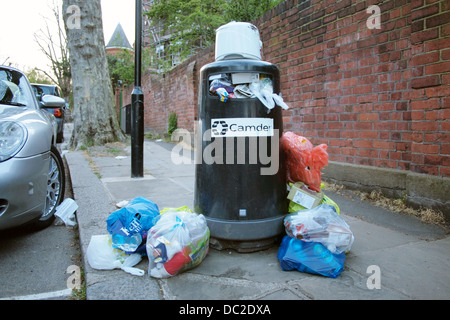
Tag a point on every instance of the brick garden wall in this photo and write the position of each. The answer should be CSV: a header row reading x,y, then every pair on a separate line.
x,y
377,97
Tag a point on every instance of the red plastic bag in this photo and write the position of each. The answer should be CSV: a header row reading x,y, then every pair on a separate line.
x,y
304,161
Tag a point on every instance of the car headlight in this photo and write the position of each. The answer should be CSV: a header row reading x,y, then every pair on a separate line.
x,y
13,136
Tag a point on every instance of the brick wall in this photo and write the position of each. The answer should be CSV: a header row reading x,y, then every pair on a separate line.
x,y
377,97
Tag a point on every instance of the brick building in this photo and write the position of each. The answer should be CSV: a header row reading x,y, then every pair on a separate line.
x,y
374,88
118,42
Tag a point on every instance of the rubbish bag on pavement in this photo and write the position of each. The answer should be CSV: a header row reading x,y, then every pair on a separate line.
x,y
129,225
303,161
309,257
102,256
320,224
184,208
178,241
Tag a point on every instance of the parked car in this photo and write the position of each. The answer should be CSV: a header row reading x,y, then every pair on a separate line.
x,y
40,90
32,180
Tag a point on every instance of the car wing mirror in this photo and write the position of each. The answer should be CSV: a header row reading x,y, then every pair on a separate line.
x,y
49,101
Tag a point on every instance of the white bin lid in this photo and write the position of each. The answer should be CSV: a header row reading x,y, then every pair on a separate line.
x,y
238,40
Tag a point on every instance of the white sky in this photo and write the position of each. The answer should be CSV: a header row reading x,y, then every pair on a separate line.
x,y
23,18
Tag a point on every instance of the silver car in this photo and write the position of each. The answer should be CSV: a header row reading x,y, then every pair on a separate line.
x,y
40,90
32,180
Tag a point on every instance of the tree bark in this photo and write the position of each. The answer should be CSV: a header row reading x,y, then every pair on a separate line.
x,y
95,118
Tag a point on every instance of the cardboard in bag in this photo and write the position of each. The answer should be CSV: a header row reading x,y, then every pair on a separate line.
x,y
304,196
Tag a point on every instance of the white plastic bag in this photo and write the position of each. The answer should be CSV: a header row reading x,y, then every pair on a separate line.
x,y
102,256
66,212
178,241
279,101
263,90
320,224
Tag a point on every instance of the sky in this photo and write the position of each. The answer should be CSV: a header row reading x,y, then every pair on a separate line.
x,y
21,19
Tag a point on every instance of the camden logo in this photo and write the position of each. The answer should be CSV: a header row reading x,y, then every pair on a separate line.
x,y
219,128
241,127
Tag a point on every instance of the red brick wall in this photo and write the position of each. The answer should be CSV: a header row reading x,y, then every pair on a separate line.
x,y
376,97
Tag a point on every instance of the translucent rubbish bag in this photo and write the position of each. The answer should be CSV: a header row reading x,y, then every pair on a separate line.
x,y
178,241
320,224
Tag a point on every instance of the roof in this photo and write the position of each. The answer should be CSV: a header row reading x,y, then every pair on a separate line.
x,y
119,39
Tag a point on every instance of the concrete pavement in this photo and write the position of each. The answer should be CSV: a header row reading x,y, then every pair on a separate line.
x,y
413,258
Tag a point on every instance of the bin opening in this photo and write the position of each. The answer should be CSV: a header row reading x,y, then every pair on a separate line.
x,y
239,85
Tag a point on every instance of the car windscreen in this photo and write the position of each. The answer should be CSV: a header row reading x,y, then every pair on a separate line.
x,y
43,90
14,88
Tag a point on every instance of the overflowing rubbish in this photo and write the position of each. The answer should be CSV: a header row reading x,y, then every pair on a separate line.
x,y
330,202
317,237
180,209
321,224
305,197
242,91
301,198
128,226
221,81
102,256
223,94
177,239
173,239
263,90
66,212
303,161
177,242
309,257
246,85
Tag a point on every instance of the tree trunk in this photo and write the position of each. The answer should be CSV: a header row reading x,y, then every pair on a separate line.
x,y
94,114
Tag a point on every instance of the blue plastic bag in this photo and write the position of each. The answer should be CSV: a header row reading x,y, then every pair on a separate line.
x,y
309,257
130,224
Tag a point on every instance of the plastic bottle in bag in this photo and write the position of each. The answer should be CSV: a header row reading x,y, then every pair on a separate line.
x,y
127,244
128,239
290,253
328,259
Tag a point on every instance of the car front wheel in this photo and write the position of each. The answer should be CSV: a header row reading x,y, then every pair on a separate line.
x,y
55,189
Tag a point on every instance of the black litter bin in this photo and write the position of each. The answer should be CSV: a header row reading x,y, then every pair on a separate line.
x,y
240,184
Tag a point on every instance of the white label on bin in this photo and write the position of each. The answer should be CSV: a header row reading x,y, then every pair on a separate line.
x,y
241,127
